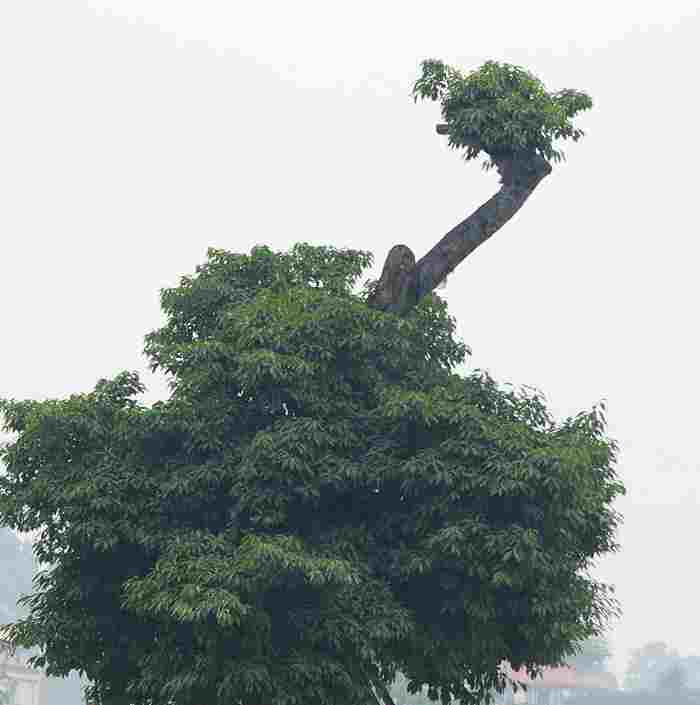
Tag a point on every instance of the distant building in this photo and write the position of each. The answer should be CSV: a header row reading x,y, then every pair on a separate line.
x,y
556,686
622,697
19,684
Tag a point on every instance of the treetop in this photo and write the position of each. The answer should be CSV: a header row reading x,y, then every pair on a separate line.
x,y
500,109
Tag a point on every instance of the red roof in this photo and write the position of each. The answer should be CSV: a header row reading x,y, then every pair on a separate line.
x,y
565,677
562,677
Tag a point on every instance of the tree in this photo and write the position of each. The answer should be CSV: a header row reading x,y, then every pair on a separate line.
x,y
505,112
591,656
673,680
648,664
321,503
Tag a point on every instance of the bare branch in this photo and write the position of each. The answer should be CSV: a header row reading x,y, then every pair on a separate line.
x,y
402,285
519,181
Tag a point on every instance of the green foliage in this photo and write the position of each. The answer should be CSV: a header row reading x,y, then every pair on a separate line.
x,y
591,656
321,503
500,109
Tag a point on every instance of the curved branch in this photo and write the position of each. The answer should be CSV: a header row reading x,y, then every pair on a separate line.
x,y
403,284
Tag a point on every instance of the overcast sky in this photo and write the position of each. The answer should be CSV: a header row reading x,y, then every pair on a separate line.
x,y
135,134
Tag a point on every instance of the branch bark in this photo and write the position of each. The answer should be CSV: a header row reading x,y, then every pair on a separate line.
x,y
404,282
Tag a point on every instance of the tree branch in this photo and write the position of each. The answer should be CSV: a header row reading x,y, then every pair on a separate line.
x,y
404,282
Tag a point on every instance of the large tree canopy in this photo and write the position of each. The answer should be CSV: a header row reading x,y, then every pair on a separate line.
x,y
321,502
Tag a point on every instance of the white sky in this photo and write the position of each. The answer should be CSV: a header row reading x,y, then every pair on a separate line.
x,y
134,134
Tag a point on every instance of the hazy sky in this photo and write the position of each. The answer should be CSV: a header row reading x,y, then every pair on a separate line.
x,y
134,134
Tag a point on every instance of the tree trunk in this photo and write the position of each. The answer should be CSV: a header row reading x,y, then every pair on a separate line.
x,y
404,282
